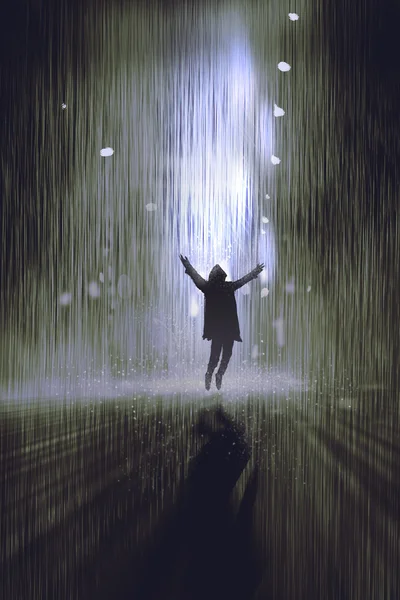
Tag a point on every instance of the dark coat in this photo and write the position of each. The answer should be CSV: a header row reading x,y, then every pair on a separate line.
x,y
220,310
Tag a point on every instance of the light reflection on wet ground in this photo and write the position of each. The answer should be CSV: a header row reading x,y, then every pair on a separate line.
x,y
84,484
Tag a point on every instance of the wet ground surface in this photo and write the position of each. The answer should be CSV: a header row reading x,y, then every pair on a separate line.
x,y
85,486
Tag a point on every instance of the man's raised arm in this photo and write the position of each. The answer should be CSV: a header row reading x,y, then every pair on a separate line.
x,y
191,271
249,277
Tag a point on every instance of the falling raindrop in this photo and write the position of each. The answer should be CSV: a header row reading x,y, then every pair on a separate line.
x,y
194,307
293,16
284,67
265,220
278,112
93,289
124,287
290,287
275,160
65,299
264,292
106,152
63,106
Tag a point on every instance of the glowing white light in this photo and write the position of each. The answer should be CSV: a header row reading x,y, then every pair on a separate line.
x,y
101,277
309,288
267,197
254,352
275,160
265,220
278,112
293,16
94,289
263,232
194,307
264,292
284,67
65,299
151,207
106,152
63,106
124,287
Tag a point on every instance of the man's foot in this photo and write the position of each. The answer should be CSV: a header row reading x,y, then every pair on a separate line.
x,y
218,380
207,379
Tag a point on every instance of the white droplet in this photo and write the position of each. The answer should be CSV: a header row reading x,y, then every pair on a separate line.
x,y
267,197
278,324
65,299
263,232
278,112
275,160
309,288
290,287
265,220
293,16
194,307
94,289
101,277
124,287
284,66
106,152
264,292
63,106
151,207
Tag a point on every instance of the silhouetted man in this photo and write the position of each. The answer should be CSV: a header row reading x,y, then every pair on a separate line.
x,y
221,323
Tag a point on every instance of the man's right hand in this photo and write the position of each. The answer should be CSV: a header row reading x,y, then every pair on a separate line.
x,y
258,270
184,261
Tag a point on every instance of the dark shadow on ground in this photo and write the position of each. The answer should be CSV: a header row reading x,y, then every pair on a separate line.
x,y
202,549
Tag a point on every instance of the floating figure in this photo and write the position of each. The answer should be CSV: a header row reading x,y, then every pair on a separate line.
x,y
221,323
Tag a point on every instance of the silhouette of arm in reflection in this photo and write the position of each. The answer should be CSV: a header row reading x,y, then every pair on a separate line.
x,y
210,551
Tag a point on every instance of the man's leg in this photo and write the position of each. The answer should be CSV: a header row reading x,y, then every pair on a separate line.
x,y
216,347
227,348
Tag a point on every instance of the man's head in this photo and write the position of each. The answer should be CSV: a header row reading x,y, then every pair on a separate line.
x,y
217,274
